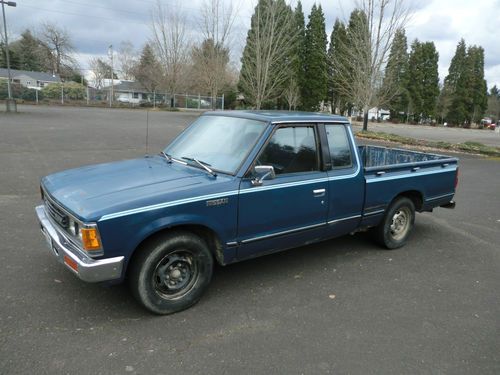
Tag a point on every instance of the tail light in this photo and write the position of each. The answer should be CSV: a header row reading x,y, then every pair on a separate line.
x,y
456,179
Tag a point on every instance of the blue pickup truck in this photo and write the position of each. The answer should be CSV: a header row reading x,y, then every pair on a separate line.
x,y
232,186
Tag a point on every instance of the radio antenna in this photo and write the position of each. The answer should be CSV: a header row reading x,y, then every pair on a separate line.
x,y
147,133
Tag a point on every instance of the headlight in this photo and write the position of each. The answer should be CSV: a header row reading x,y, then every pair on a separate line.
x,y
74,228
87,235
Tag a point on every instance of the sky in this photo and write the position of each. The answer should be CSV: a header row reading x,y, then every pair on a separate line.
x,y
94,25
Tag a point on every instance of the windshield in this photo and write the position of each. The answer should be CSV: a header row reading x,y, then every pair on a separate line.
x,y
220,142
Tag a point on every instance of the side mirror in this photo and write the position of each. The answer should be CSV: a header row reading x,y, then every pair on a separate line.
x,y
263,172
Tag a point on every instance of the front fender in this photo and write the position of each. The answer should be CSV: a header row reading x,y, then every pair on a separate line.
x,y
162,223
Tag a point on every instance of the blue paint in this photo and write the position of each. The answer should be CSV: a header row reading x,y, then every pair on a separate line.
x,y
133,199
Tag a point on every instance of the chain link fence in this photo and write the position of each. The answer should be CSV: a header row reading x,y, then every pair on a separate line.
x,y
70,93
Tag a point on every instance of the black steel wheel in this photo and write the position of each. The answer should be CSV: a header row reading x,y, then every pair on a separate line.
x,y
397,224
171,272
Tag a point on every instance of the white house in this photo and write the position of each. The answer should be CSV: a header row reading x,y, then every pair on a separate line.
x,y
379,113
28,78
130,92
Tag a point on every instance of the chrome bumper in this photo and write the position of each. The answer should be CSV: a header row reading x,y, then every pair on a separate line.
x,y
86,268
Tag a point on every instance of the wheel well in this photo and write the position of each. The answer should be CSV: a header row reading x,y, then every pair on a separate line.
x,y
206,234
415,196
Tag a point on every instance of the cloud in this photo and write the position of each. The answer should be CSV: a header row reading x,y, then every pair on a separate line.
x,y
94,25
437,27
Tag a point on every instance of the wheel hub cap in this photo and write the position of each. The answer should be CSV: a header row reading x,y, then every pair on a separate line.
x,y
174,274
400,223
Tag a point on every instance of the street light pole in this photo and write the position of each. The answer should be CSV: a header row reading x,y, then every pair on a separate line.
x,y
110,52
9,78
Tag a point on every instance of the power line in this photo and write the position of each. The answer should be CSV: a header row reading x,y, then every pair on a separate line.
x,y
79,14
107,8
115,10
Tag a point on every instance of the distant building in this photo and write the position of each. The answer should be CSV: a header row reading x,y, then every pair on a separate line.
x,y
379,114
131,92
30,79
374,113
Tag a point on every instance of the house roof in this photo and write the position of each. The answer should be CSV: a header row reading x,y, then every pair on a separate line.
x,y
130,86
39,76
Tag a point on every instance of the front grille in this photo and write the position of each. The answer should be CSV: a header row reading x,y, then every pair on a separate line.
x,y
56,213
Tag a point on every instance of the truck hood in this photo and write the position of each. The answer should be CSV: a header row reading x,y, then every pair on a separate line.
x,y
92,191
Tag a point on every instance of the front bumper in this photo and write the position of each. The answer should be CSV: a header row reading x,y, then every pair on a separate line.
x,y
67,253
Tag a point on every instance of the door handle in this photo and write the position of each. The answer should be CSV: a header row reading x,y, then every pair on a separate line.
x,y
319,192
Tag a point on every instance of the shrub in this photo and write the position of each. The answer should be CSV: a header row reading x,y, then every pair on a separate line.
x,y
72,90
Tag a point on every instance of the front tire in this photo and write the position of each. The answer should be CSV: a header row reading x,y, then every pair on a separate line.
x,y
171,272
397,224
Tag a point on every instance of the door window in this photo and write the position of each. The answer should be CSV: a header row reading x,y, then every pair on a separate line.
x,y
338,143
291,150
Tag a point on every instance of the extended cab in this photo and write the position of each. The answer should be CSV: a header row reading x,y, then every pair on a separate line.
x,y
232,186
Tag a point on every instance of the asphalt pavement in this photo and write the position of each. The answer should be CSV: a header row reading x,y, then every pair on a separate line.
x,y
343,306
435,133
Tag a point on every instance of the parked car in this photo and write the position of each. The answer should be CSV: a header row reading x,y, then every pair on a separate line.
x,y
234,185
493,125
487,123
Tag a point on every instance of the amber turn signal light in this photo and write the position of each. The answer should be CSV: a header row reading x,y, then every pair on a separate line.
x,y
70,262
90,239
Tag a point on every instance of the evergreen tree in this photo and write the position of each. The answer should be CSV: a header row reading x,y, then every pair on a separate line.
x,y
455,86
396,76
478,89
266,63
493,109
457,66
77,77
494,91
465,88
297,54
314,87
31,52
423,84
148,68
338,41
13,57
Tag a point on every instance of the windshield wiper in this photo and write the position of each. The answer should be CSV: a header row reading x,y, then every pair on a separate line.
x,y
167,156
202,164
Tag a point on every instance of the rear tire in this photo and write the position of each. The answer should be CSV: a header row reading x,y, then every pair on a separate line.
x,y
396,226
171,272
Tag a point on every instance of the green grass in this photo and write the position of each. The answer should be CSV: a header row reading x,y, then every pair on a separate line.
x,y
468,147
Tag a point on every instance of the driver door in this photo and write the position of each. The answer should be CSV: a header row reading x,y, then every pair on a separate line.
x,y
290,209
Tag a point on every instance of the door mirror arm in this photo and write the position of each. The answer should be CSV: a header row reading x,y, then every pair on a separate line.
x,y
266,172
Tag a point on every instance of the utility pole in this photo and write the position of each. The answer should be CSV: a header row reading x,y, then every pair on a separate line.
x,y
110,52
10,103
62,91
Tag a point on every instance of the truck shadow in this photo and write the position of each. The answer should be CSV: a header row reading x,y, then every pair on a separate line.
x,y
314,256
229,282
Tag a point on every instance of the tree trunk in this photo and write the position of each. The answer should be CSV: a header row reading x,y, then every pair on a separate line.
x,y
365,121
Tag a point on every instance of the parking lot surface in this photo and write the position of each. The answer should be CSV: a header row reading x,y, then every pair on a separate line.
x,y
343,306
436,133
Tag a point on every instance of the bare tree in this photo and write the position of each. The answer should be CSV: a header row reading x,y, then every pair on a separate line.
x,y
100,72
292,94
59,47
212,56
361,63
170,42
127,59
265,62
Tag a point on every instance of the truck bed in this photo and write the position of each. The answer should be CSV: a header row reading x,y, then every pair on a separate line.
x,y
376,156
431,178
